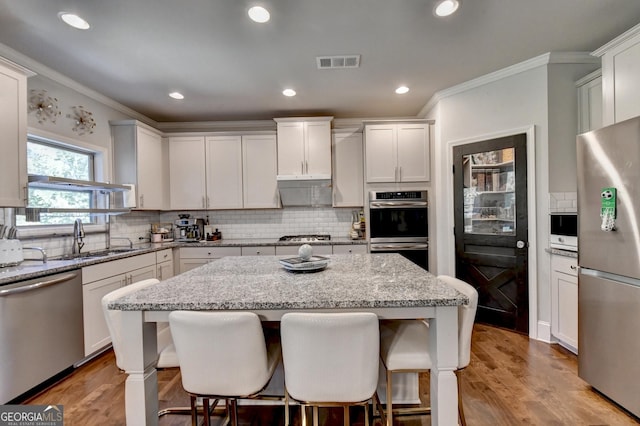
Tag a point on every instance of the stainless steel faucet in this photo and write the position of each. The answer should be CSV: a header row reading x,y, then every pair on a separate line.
x,y
78,235
123,238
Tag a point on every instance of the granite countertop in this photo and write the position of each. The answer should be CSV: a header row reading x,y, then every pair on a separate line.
x,y
30,269
261,283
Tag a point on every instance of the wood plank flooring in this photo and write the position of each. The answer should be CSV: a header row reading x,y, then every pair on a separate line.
x,y
511,381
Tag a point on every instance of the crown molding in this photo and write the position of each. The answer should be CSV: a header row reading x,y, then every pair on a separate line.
x,y
538,61
215,126
622,38
40,69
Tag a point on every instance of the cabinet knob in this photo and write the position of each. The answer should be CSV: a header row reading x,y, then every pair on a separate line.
x,y
574,267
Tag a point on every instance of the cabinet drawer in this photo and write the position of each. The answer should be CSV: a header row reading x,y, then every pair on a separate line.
x,y
349,249
164,256
258,251
293,250
208,252
115,267
566,265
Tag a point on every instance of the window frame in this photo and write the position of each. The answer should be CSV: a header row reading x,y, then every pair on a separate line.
x,y
101,172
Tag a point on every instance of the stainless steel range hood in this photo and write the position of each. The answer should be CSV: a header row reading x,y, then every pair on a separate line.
x,y
312,191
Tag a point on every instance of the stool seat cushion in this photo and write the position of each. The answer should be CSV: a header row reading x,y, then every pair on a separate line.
x,y
404,345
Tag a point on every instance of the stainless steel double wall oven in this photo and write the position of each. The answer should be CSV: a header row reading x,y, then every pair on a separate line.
x,y
399,223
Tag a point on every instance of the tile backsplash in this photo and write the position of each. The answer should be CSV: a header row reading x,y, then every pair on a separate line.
x,y
563,202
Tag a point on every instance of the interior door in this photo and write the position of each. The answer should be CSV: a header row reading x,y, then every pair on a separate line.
x,y
490,204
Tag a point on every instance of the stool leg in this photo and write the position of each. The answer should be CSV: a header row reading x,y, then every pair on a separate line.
x,y
315,415
347,420
286,408
303,412
194,411
205,406
389,398
234,412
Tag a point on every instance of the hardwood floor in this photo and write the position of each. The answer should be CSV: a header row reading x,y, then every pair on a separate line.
x,y
511,381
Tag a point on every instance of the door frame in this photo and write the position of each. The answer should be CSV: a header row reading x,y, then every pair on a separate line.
x,y
448,210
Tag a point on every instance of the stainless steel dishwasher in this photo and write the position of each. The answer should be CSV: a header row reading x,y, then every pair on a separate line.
x,y
40,331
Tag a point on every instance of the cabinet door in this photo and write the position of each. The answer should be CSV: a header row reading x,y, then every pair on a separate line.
x,y
259,172
381,153
590,105
141,274
291,148
187,173
413,152
13,137
189,264
564,300
626,90
317,148
348,174
96,332
224,172
151,172
164,270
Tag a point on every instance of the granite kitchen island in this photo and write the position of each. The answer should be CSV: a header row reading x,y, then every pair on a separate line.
x,y
386,284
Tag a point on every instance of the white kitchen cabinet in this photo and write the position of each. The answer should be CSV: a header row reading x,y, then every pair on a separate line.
x,y
304,147
620,70
140,158
348,170
192,257
564,300
350,249
224,172
164,264
187,173
13,135
320,250
259,172
99,280
590,102
258,250
397,152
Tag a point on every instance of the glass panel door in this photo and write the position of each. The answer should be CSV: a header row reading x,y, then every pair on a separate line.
x,y
489,193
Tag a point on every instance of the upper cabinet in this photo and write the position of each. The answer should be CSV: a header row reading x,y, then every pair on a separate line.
x,y
620,83
13,135
241,172
187,188
397,152
223,172
140,159
348,173
304,147
590,102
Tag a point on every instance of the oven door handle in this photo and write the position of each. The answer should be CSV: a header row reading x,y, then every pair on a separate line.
x,y
395,204
399,246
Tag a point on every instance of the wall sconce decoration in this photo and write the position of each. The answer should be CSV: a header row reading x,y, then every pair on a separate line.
x,y
84,122
45,107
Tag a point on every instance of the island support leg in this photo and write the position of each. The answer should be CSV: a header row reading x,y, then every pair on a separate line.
x,y
443,335
140,354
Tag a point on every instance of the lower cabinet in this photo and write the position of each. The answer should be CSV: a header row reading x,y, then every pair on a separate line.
x,y
192,257
164,264
564,301
99,280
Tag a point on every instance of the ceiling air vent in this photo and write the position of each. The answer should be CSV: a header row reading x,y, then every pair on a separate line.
x,y
333,62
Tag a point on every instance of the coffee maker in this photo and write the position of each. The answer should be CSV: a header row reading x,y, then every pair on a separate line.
x,y
187,229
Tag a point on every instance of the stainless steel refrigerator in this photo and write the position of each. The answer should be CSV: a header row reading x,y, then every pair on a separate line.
x,y
609,259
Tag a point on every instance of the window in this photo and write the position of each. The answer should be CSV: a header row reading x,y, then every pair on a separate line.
x,y
51,159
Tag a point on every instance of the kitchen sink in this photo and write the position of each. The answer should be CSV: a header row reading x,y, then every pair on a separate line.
x,y
100,253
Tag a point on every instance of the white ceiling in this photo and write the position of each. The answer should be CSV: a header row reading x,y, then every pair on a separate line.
x,y
230,68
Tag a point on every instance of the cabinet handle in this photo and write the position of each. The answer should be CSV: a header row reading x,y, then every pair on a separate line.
x,y
208,202
258,253
306,166
400,174
395,173
204,203
141,200
302,167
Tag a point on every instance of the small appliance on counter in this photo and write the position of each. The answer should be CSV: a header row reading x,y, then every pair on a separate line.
x,y
187,229
211,233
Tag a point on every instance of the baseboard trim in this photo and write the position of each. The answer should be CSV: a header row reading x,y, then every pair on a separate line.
x,y
544,331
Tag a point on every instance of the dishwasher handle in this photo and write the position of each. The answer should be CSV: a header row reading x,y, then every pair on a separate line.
x,y
35,286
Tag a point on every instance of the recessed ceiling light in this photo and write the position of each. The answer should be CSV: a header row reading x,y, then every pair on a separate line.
x,y
74,20
176,95
259,14
402,90
446,7
289,92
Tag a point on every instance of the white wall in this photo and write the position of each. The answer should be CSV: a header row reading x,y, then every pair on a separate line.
x,y
508,102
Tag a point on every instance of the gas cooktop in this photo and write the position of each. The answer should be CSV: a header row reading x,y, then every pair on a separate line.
x,y
306,238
